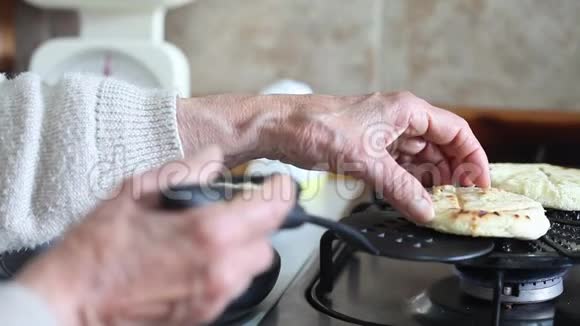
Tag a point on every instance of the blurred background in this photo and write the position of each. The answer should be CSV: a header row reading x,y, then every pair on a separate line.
x,y
474,56
517,53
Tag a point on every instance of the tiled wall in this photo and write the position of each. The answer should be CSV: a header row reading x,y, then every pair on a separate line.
x,y
515,53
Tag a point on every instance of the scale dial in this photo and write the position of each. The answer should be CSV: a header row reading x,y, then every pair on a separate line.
x,y
123,39
107,4
107,63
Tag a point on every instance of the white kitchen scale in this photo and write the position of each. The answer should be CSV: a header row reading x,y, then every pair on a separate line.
x,y
123,39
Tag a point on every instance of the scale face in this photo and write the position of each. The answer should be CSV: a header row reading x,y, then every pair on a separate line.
x,y
109,63
122,39
108,4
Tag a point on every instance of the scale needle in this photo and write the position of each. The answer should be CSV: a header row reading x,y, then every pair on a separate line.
x,y
107,67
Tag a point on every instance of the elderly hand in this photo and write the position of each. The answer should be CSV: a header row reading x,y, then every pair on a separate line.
x,y
390,140
130,263
385,139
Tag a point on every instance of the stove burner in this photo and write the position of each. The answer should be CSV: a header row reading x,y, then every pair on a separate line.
x,y
445,304
373,291
519,286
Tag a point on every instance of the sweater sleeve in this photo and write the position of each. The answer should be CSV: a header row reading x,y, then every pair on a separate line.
x,y
21,307
64,147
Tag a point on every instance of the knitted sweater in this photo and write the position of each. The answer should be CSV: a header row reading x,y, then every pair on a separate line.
x,y
63,147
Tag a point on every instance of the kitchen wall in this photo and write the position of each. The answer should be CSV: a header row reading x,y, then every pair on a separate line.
x,y
516,53
33,26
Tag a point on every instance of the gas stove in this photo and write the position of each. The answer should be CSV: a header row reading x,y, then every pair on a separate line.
x,y
422,277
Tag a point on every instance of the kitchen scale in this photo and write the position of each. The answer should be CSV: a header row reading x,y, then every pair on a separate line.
x,y
123,39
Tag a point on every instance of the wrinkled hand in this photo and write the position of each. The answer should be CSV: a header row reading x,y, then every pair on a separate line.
x,y
390,140
130,263
385,139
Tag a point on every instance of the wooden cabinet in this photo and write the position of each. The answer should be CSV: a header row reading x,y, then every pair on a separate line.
x,y
7,36
547,136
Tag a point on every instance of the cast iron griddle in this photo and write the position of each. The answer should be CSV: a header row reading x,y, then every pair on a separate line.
x,y
397,238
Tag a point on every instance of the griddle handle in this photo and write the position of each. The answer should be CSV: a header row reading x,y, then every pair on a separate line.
x,y
296,218
191,196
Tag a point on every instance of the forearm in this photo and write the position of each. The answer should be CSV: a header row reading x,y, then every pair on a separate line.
x,y
246,127
234,122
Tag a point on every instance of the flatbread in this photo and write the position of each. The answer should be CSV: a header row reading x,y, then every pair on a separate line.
x,y
553,186
488,212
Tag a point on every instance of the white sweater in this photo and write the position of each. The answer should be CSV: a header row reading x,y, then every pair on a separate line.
x,y
64,146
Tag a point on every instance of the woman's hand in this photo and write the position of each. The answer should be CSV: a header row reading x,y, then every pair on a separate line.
x,y
385,139
390,140
131,263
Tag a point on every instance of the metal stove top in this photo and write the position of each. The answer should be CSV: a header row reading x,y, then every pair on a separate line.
x,y
381,291
493,282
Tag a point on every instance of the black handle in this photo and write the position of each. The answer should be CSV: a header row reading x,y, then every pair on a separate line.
x,y
191,196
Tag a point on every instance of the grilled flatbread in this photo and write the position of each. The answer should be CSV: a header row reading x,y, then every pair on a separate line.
x,y
553,186
488,212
